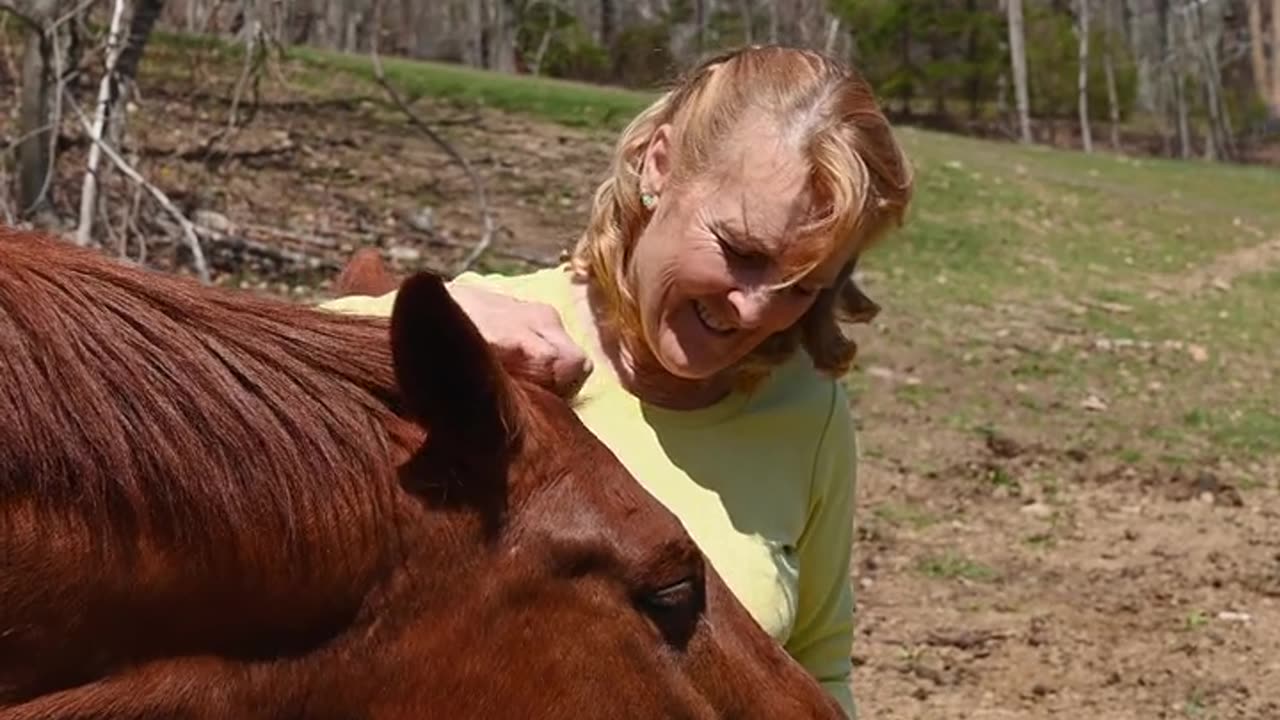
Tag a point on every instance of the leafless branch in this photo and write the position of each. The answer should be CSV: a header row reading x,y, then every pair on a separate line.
x,y
253,67
104,218
89,190
128,222
486,235
6,212
188,228
24,136
84,5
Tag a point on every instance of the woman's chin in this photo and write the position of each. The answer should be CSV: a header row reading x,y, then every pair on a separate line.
x,y
689,361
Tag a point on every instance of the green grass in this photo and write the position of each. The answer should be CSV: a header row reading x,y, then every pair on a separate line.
x,y
950,566
564,102
561,101
905,514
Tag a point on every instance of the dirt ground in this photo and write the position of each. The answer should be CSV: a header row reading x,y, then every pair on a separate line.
x,y
1012,573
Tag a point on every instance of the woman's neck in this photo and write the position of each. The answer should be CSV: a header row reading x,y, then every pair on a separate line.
x,y
640,372
643,376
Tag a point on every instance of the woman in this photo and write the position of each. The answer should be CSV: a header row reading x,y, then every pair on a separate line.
x,y
706,291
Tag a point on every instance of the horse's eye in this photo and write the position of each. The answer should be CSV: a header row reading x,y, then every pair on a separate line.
x,y
674,596
676,609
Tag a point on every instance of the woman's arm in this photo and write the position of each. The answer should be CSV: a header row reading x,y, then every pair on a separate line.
x,y
823,636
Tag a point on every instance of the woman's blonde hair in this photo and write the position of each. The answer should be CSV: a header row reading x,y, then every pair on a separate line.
x,y
860,181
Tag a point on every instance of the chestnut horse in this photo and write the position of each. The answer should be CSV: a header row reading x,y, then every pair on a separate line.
x,y
223,506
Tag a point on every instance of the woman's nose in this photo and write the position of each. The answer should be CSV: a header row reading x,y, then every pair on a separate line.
x,y
751,307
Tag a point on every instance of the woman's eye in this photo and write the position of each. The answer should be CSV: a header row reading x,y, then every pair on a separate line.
x,y
750,258
729,249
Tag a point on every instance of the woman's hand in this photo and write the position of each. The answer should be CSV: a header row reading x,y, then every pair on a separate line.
x,y
529,338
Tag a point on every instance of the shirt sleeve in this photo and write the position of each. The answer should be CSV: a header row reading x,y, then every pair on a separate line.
x,y
822,639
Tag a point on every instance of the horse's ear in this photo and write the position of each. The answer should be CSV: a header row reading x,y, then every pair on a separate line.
x,y
365,274
449,378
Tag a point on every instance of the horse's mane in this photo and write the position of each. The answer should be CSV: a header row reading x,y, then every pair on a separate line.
x,y
136,401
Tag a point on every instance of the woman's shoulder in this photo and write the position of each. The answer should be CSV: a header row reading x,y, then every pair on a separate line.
x,y
546,285
798,387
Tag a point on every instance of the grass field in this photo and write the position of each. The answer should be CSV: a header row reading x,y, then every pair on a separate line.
x,y
1070,405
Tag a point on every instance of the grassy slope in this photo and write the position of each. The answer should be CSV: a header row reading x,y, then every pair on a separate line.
x,y
1069,258
1030,278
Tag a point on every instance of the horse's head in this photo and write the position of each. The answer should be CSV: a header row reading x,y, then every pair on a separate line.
x,y
568,588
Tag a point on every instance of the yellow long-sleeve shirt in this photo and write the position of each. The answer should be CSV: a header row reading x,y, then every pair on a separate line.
x,y
764,483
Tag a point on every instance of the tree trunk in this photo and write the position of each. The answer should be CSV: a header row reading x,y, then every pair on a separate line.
x,y
1257,53
106,95
1208,36
833,34
1108,67
545,42
1180,104
35,151
700,21
773,23
908,88
748,21
607,21
1086,134
477,49
1275,59
144,20
973,84
1018,58
502,37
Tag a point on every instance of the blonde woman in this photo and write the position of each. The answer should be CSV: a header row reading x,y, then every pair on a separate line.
x,y
697,323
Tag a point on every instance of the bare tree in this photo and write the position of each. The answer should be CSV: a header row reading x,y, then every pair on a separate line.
x,y
1082,33
1258,52
1109,8
1018,59
1266,79
1204,26
1175,77
41,72
89,189
1275,58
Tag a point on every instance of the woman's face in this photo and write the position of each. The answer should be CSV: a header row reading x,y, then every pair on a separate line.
x,y
715,245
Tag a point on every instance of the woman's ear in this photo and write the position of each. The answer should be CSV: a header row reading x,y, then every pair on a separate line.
x,y
657,161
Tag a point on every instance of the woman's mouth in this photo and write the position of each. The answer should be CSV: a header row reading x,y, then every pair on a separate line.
x,y
710,321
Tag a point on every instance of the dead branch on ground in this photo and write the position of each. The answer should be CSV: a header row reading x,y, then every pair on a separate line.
x,y
486,235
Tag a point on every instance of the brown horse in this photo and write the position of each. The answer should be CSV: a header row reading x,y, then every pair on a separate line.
x,y
214,505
